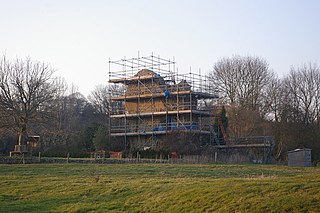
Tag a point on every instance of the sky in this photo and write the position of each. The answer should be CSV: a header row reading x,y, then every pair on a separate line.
x,y
77,37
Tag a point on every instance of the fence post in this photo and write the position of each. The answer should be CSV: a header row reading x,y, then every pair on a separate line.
x,y
68,156
23,160
39,158
215,157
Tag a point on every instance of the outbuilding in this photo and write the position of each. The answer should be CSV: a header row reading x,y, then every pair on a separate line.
x,y
299,157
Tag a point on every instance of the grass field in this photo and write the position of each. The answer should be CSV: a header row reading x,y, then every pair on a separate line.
x,y
158,188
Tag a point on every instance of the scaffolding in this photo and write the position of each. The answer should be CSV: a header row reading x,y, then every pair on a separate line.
x,y
156,101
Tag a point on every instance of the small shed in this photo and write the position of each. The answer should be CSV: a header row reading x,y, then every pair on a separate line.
x,y
299,157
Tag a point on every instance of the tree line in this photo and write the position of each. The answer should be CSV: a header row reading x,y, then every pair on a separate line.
x,y
261,103
258,102
33,101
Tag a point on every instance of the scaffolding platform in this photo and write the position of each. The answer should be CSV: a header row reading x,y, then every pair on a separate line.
x,y
161,113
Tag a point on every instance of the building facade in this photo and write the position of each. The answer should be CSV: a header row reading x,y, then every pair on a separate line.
x,y
156,103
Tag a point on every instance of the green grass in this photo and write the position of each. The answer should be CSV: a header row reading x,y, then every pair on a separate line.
x,y
158,188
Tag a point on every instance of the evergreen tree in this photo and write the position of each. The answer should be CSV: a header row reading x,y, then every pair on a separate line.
x,y
217,127
100,140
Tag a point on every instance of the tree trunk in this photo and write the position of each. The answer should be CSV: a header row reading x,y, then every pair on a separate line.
x,y
22,134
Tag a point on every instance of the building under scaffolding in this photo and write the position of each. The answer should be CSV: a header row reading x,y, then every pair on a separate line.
x,y
157,101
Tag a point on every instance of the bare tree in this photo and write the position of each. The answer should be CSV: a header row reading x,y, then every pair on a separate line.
x,y
27,90
101,96
242,80
274,99
303,88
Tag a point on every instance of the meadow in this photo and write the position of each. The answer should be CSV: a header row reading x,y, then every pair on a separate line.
x,y
158,188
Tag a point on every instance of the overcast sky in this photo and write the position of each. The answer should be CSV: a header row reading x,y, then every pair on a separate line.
x,y
78,37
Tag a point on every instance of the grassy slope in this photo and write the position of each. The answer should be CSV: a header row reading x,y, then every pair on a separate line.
x,y
158,188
